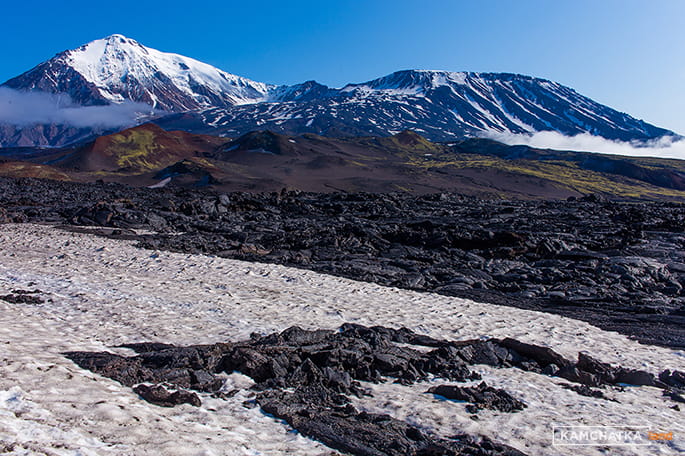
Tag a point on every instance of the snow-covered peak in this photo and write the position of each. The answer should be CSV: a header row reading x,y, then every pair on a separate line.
x,y
420,82
118,68
114,62
408,82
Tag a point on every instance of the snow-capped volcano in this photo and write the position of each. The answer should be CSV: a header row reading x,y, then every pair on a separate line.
x,y
439,105
476,103
117,68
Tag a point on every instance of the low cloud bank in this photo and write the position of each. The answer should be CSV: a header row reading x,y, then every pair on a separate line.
x,y
24,109
665,147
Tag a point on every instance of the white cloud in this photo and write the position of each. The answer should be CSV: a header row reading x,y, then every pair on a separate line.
x,y
31,108
665,147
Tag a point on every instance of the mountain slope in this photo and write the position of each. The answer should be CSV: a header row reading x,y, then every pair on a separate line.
x,y
264,161
135,151
51,135
117,68
440,105
22,169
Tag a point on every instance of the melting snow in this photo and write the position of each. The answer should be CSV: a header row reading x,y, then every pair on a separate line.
x,y
100,293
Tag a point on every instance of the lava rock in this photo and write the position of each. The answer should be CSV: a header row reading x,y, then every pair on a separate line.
x,y
23,297
585,390
331,420
612,264
481,396
158,395
673,378
307,378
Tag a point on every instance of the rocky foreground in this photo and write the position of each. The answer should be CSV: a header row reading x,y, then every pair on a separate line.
x,y
306,378
374,370
619,266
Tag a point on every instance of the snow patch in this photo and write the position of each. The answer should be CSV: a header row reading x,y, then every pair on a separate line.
x,y
105,292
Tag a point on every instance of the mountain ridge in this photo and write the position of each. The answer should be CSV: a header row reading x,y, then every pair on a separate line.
x,y
440,105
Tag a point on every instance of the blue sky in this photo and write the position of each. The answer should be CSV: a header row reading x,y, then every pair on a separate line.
x,y
627,54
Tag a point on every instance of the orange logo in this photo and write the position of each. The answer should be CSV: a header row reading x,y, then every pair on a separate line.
x,y
660,435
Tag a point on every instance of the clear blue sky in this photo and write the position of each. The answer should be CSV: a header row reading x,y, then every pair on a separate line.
x,y
628,54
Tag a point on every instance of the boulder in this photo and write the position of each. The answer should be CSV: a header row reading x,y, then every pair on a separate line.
x,y
159,395
481,396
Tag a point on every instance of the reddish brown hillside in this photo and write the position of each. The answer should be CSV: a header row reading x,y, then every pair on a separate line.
x,y
139,150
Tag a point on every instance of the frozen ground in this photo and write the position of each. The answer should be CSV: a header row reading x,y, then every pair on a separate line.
x,y
100,293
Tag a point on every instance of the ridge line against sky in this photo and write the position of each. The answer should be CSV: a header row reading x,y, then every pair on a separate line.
x,y
627,54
